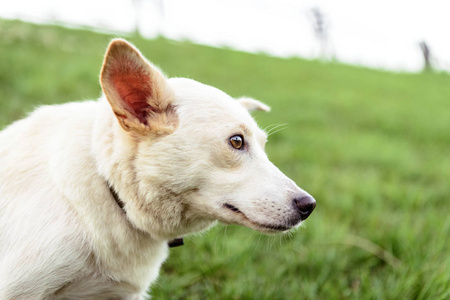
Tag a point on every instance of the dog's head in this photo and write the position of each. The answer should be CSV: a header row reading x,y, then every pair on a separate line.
x,y
198,155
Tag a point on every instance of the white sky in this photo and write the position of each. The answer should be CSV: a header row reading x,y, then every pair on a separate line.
x,y
383,33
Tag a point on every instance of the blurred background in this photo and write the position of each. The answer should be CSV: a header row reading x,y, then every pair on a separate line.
x,y
383,34
360,97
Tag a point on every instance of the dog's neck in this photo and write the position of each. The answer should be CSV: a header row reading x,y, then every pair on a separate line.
x,y
172,243
116,197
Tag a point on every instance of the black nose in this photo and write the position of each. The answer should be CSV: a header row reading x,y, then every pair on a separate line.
x,y
305,205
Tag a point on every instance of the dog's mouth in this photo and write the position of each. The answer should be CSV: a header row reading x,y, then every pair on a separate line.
x,y
262,227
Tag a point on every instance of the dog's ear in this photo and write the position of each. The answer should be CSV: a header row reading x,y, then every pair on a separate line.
x,y
137,92
251,104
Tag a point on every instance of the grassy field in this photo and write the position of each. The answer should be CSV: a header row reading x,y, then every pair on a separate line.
x,y
372,147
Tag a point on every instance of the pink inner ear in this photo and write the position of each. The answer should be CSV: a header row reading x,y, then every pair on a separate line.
x,y
134,89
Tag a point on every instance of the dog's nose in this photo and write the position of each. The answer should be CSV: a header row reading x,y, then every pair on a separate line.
x,y
305,206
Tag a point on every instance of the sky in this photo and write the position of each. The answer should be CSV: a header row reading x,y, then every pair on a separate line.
x,y
380,34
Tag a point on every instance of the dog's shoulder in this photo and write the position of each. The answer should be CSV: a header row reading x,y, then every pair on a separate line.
x,y
46,119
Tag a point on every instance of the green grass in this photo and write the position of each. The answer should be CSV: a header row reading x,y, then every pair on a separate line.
x,y
372,147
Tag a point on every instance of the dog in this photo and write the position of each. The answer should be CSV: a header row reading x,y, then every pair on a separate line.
x,y
92,193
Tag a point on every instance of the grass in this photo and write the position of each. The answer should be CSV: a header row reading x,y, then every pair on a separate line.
x,y
373,148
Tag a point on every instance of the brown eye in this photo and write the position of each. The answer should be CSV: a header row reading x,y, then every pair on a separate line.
x,y
237,141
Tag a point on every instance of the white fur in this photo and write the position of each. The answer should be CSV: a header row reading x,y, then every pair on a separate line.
x,y
62,234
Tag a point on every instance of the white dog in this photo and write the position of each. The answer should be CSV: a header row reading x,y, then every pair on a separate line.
x,y
91,192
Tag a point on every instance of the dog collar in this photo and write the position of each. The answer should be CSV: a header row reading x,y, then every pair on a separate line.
x,y
172,243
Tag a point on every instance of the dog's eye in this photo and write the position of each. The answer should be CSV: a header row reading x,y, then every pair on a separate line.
x,y
237,141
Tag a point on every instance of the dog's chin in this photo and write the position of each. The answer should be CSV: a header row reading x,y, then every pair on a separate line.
x,y
236,216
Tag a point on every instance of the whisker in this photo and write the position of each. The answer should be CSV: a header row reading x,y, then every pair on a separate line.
x,y
272,242
225,240
271,127
276,127
277,130
257,244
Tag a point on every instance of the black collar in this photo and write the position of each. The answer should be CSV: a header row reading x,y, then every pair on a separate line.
x,y
172,243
